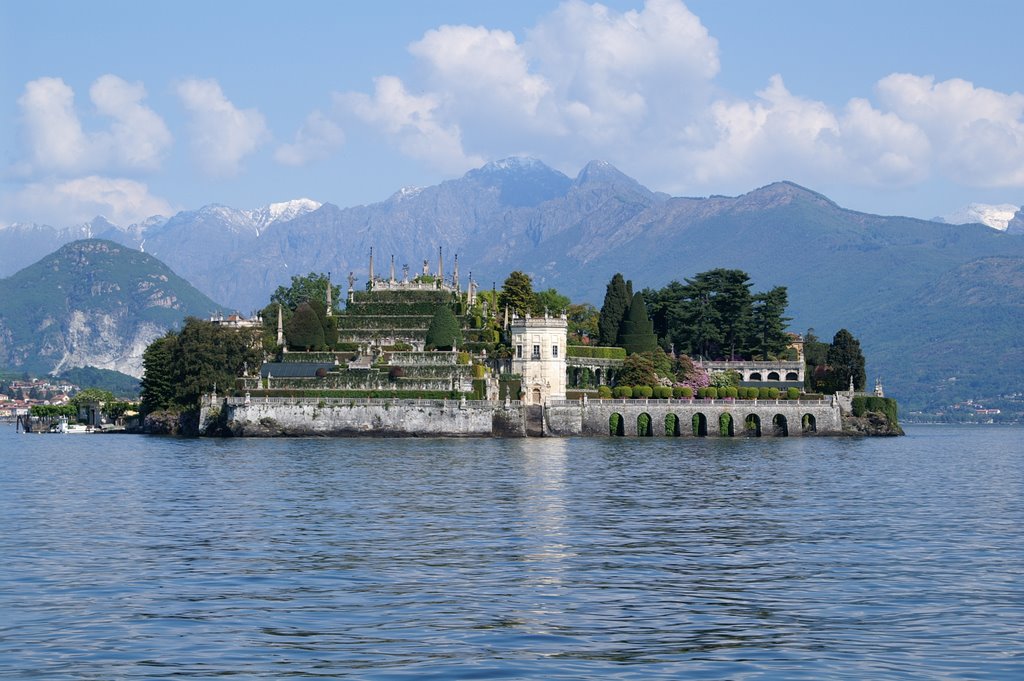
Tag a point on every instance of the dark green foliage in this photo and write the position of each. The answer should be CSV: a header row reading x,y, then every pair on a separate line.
x,y
815,355
594,352
615,425
714,314
725,424
92,395
159,374
121,385
479,389
792,393
365,394
643,391
662,392
845,359
444,332
304,331
684,392
643,425
877,405
637,331
179,367
604,392
637,370
582,320
623,391
551,301
616,302
307,289
517,294
509,388
768,337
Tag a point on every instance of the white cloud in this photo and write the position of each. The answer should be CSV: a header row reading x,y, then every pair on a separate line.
x,y
977,134
138,136
412,122
637,88
315,140
57,142
222,135
64,203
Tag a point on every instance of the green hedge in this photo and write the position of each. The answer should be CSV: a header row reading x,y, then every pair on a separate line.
x,y
374,394
683,392
604,392
479,389
623,392
592,352
880,405
643,391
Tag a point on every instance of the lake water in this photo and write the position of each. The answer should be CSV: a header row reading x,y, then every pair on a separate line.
x,y
127,557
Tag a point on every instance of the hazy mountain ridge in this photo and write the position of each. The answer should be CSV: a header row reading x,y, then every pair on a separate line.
x,y
91,303
842,267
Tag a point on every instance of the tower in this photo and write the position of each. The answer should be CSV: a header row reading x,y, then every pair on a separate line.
x,y
371,267
539,345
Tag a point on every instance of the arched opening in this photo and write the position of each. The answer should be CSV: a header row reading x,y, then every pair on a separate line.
x,y
597,377
725,424
808,423
792,376
780,425
672,426
773,375
616,425
536,395
700,425
755,376
752,425
644,425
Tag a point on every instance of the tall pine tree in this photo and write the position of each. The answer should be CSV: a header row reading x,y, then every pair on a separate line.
x,y
845,359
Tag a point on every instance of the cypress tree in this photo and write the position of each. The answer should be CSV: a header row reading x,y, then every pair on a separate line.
x,y
304,329
444,332
845,360
637,330
616,301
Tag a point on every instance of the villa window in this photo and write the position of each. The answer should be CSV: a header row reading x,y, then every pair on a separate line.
x,y
536,352
519,352
554,351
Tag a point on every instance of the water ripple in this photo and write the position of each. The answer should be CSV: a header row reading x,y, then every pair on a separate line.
x,y
137,558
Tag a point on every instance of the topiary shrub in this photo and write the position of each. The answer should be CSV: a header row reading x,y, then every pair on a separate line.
x,y
793,393
762,393
604,392
623,392
444,332
773,393
643,391
684,392
731,392
662,392
712,393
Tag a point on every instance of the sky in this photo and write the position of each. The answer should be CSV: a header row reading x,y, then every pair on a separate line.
x,y
129,109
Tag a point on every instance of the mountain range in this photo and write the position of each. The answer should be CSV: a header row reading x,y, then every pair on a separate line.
x,y
92,303
902,285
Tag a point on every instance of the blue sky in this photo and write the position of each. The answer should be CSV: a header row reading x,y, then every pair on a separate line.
x,y
127,109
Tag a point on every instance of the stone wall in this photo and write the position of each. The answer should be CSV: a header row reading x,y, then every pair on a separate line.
x,y
269,417
593,417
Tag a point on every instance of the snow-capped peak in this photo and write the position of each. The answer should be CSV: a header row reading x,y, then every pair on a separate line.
x,y
288,210
995,216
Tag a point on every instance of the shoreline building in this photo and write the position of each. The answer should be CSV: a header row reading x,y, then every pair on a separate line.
x,y
539,348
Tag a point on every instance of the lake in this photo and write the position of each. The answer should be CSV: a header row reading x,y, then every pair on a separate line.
x,y
133,557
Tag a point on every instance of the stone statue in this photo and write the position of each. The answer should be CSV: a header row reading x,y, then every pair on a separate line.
x,y
351,280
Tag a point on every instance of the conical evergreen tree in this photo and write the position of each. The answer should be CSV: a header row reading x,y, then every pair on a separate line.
x,y
637,330
444,332
305,330
845,359
616,302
